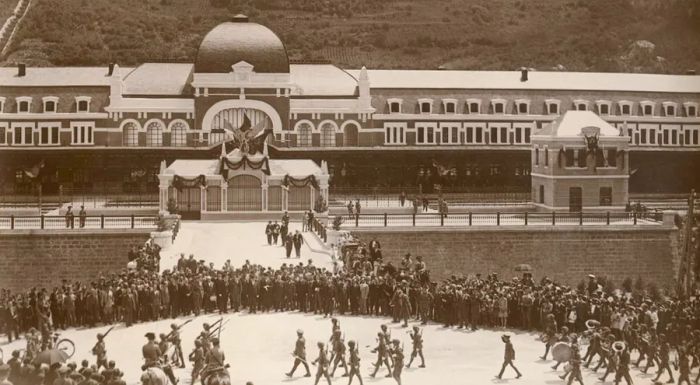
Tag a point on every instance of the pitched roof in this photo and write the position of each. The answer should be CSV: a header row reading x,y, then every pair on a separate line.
x,y
537,80
58,76
572,123
322,80
158,79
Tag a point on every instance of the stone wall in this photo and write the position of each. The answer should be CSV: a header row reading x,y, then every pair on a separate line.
x,y
30,258
564,253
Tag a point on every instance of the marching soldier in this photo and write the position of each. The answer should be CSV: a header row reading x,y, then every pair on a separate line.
x,y
164,345
354,362
100,350
300,354
323,363
177,343
663,358
397,354
417,339
197,358
550,330
338,356
151,355
623,367
382,353
575,362
683,366
508,357
215,360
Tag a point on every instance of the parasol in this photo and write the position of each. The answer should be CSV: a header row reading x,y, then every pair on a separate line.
x,y
50,357
524,268
561,351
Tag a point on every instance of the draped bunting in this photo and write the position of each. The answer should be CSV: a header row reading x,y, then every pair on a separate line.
x,y
180,182
303,182
244,163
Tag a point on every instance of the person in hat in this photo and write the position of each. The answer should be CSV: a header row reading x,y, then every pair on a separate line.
x,y
69,217
508,357
82,215
664,359
417,340
338,356
299,354
151,352
100,351
298,240
197,358
382,354
354,362
268,233
214,360
398,357
323,364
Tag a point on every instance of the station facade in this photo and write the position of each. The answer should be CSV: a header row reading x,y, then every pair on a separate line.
x,y
106,129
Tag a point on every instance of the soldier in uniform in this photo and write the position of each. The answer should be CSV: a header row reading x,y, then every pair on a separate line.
x,y
508,357
197,358
550,330
397,354
354,362
338,356
663,357
174,338
575,362
382,353
323,363
299,354
417,339
151,355
623,367
164,345
215,360
100,350
683,366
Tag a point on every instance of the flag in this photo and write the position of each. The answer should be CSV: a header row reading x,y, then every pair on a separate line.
x,y
33,171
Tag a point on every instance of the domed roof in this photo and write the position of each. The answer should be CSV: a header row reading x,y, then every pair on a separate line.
x,y
240,40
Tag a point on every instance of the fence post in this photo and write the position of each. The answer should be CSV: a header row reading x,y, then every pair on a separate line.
x,y
525,218
554,216
470,218
132,221
102,221
442,219
42,221
357,220
607,218
414,219
498,218
580,218
385,219
12,222
634,217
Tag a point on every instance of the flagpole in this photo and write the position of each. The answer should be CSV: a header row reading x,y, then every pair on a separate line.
x,y
40,196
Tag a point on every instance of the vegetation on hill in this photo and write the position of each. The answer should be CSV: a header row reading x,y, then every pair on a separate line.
x,y
586,35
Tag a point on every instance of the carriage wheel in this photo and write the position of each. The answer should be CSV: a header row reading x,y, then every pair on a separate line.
x,y
66,346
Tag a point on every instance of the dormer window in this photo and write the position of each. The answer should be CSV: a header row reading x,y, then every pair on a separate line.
x,y
581,105
50,103
474,106
691,109
499,106
425,106
394,106
552,106
82,103
2,105
450,106
603,107
625,107
522,106
670,108
647,107
24,104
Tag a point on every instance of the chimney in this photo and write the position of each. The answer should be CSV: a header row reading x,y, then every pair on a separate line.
x,y
111,69
690,72
523,74
21,69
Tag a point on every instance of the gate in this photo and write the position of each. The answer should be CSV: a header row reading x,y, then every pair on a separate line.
x,y
244,194
189,202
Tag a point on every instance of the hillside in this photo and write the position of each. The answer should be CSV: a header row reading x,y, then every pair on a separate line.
x,y
585,35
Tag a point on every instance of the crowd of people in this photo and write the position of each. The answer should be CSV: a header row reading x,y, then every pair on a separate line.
x,y
364,285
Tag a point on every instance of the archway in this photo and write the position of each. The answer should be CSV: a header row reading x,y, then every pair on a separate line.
x,y
351,132
244,193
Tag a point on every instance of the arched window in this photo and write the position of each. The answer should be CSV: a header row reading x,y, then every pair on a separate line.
x,y
178,135
350,135
327,135
154,134
304,135
130,135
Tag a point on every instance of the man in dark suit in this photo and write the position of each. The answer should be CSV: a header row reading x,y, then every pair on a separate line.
x,y
268,232
298,241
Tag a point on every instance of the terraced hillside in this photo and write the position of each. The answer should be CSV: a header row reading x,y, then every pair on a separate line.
x,y
587,35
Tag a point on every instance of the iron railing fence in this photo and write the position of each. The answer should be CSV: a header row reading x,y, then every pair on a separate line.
x,y
58,222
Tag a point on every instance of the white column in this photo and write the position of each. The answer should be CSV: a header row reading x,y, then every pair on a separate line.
x,y
285,198
313,197
224,196
203,198
163,199
263,191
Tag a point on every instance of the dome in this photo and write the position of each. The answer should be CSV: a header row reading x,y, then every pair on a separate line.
x,y
240,40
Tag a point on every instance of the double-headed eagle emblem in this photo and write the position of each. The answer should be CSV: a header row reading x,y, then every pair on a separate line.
x,y
249,139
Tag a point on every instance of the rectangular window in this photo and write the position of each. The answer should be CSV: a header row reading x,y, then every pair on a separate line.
x,y
652,136
430,138
686,136
455,134
450,108
553,109
395,107
498,108
23,106
648,110
494,135
518,133
582,107
692,111
522,108
445,135
395,134
48,135
569,157
666,136
479,134
504,134
474,107
546,157
604,109
425,108
606,196
527,134
23,134
643,136
421,135
82,133
625,109
674,137
612,157
470,135
582,154
83,106
50,106
3,135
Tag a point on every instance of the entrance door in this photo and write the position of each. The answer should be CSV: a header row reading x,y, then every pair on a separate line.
x,y
575,199
189,202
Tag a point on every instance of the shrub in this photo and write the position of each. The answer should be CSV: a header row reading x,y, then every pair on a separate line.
x,y
337,222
